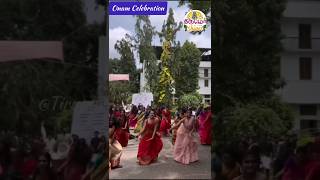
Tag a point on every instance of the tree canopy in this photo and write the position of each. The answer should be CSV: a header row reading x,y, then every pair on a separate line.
x,y
27,84
144,34
186,74
247,44
167,36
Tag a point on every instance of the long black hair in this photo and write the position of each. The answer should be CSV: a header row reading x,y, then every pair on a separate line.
x,y
116,123
134,109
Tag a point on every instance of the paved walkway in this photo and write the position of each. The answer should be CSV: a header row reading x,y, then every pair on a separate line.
x,y
165,167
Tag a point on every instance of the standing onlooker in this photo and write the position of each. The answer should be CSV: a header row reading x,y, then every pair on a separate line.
x,y
95,140
230,167
250,167
44,170
295,167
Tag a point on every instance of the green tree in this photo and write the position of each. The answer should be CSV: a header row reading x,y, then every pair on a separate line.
x,y
144,33
115,66
167,36
127,62
247,44
190,100
40,20
28,83
251,120
282,109
186,74
119,91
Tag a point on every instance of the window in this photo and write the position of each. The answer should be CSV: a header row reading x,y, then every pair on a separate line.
x,y
207,101
310,110
305,36
305,68
207,96
308,124
206,73
206,83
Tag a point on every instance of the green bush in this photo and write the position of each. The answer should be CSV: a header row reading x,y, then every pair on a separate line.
x,y
190,100
261,120
119,91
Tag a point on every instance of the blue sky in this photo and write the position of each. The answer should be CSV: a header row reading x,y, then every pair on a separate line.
x,y
120,25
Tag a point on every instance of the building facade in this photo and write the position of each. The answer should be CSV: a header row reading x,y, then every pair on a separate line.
x,y
204,81
300,62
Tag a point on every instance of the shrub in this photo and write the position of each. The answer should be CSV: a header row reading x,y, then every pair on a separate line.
x,y
190,100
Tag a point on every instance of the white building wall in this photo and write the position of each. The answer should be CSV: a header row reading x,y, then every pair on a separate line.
x,y
202,89
300,92
299,118
201,83
302,9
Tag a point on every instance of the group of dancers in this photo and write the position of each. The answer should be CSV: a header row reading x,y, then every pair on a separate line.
x,y
151,125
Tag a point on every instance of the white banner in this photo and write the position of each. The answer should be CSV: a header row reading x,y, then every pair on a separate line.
x,y
142,98
88,117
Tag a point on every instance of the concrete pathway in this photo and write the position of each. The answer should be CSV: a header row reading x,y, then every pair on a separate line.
x,y
165,167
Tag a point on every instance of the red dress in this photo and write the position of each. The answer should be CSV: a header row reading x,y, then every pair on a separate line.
x,y
74,171
117,114
313,171
205,130
132,120
148,151
122,135
29,167
165,122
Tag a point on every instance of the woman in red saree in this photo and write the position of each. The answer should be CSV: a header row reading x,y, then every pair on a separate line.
x,y
205,130
313,172
116,112
133,117
122,134
165,122
150,141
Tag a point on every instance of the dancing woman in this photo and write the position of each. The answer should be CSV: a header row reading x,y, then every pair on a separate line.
x,y
185,147
205,121
115,148
150,142
133,117
122,134
140,122
175,128
165,121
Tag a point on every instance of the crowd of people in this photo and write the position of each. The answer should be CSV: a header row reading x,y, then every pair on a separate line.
x,y
150,125
290,157
69,157
66,157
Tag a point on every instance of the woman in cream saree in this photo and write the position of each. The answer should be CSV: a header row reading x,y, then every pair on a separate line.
x,y
115,148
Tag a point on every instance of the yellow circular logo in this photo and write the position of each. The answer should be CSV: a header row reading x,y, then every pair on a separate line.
x,y
195,21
